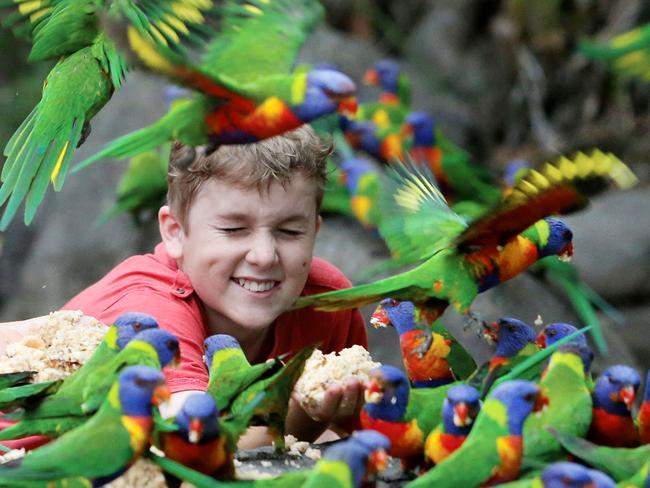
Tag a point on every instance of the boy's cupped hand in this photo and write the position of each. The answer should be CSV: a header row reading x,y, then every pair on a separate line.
x,y
341,404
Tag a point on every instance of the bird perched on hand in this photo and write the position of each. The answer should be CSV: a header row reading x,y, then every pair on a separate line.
x,y
459,412
424,352
244,89
154,347
569,405
272,410
492,452
458,260
406,416
613,397
124,421
88,71
41,395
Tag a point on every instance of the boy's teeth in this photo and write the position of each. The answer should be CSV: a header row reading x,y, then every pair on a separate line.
x,y
255,286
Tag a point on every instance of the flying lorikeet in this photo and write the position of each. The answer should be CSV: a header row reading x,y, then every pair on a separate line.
x,y
203,441
460,260
405,415
569,404
363,182
41,395
613,397
459,412
643,416
620,462
458,178
492,452
346,464
104,447
515,342
153,348
142,188
235,383
89,69
628,54
424,352
244,89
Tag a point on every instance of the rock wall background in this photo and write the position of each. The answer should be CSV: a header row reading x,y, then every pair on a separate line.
x,y
504,81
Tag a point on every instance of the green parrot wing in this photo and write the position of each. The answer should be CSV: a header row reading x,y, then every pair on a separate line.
x,y
233,426
49,426
620,462
63,458
425,406
569,408
473,463
329,473
416,221
639,480
460,361
26,394
41,149
270,33
558,188
627,53
15,379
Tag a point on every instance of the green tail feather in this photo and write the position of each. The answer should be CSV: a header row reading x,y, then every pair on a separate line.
x,y
14,379
51,427
22,395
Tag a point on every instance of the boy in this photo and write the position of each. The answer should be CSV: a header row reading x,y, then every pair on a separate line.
x,y
238,235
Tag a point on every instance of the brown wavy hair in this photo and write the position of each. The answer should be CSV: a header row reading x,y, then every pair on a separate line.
x,y
257,164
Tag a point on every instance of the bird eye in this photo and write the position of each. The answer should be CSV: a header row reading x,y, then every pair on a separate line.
x,y
171,344
137,326
511,328
551,332
530,397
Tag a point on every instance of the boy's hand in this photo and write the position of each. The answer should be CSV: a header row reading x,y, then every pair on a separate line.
x,y
340,406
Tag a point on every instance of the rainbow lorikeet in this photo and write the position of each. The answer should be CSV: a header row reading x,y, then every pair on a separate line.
x,y
202,440
405,415
613,397
41,395
557,331
628,53
105,446
459,411
142,188
89,69
515,342
244,89
643,416
458,260
431,355
381,140
457,177
394,83
234,382
492,452
620,462
346,464
569,404
155,348
363,182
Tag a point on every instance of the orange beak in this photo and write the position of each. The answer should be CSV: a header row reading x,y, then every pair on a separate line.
x,y
374,392
348,106
195,431
491,332
541,340
628,396
379,318
461,415
371,77
160,394
378,461
540,402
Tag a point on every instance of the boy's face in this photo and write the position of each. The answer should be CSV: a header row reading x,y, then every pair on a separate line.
x,y
248,253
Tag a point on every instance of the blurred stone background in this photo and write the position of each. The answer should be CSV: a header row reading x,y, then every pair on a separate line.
x,y
503,80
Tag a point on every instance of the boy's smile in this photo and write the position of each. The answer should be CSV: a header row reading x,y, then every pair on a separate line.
x,y
247,252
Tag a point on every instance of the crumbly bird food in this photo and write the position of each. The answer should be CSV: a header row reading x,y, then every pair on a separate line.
x,y
325,370
56,347
143,474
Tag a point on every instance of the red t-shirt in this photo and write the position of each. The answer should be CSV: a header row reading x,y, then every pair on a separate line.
x,y
153,284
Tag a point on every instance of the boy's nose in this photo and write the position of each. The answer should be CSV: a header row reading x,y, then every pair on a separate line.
x,y
263,252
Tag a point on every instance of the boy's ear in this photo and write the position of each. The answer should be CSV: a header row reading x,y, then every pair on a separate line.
x,y
171,232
